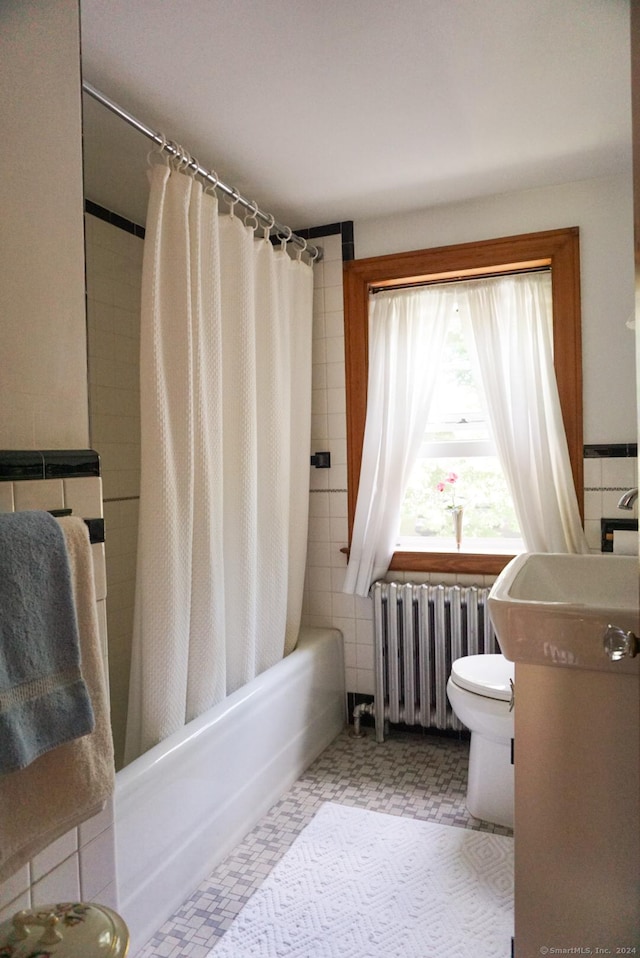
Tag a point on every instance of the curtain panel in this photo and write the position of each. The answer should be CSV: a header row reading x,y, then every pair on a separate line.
x,y
512,329
225,423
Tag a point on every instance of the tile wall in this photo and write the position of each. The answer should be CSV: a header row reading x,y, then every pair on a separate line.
x,y
114,272
609,471
79,866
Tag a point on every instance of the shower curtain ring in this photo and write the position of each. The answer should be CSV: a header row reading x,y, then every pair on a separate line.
x,y
174,154
212,181
193,162
158,150
266,232
232,200
185,160
251,219
285,237
302,249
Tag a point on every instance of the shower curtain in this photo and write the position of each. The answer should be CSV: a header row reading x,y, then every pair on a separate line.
x,y
225,372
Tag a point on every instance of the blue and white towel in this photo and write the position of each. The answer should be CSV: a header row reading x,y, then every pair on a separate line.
x,y
44,701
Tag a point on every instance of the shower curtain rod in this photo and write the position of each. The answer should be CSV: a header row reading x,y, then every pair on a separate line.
x,y
283,231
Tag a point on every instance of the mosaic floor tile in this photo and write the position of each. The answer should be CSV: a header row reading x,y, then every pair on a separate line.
x,y
410,774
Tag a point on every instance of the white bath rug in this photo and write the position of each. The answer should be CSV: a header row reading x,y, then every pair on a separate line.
x,y
360,884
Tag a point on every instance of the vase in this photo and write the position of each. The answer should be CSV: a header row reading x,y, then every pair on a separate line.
x,y
456,515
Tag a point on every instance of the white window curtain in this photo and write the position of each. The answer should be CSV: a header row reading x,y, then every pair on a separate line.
x,y
512,327
513,331
225,426
407,330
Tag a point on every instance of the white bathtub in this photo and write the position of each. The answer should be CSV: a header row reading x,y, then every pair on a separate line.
x,y
181,807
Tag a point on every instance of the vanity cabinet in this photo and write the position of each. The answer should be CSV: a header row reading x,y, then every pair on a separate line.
x,y
577,797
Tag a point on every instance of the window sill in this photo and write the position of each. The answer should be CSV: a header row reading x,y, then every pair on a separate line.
x,y
449,562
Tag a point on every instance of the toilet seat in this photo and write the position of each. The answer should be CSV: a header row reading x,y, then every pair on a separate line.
x,y
486,675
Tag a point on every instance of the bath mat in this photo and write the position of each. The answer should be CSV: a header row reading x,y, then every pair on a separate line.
x,y
361,884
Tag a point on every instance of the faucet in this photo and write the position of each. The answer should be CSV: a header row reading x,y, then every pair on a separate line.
x,y
627,500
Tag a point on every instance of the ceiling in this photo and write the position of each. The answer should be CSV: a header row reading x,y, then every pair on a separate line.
x,y
349,109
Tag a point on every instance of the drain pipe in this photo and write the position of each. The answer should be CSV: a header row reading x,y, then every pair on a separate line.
x,y
365,708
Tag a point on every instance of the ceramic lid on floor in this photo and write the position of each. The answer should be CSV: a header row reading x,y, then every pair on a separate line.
x,y
486,675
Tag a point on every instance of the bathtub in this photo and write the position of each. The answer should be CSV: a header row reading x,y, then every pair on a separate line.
x,y
181,807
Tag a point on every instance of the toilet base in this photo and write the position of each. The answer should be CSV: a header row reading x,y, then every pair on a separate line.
x,y
490,788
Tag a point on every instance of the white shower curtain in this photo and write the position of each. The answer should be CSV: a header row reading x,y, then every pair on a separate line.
x,y
225,360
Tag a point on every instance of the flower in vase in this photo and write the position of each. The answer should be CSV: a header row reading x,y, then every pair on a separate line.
x,y
449,484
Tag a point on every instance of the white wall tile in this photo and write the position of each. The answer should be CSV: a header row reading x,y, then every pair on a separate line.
x,y
15,886
319,504
8,908
6,497
365,682
332,274
83,496
619,472
93,827
38,494
97,862
56,853
334,325
60,884
593,505
343,606
331,247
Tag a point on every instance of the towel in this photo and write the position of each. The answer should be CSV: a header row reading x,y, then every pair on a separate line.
x,y
70,784
43,698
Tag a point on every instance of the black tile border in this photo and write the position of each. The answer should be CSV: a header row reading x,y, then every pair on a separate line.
x,y
607,528
114,218
611,450
344,229
17,465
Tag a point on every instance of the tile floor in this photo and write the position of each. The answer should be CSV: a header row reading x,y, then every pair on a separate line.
x,y
412,774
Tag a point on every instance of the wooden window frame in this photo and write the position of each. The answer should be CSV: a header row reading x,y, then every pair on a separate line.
x,y
558,249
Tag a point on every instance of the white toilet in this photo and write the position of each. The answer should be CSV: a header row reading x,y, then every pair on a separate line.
x,y
479,690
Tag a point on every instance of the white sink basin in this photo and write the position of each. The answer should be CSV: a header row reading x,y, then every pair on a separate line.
x,y
553,609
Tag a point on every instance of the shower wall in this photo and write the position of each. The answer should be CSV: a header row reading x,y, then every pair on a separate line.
x,y
114,268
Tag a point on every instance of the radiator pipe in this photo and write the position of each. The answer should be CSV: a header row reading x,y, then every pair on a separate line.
x,y
365,708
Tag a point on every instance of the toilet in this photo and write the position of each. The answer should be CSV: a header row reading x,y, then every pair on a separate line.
x,y
479,690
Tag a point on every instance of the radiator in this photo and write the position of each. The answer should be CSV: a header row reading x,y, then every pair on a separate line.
x,y
419,630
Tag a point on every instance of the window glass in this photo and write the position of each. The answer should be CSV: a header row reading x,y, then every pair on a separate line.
x,y
457,498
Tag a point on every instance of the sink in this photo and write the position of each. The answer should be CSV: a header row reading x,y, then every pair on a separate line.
x,y
553,609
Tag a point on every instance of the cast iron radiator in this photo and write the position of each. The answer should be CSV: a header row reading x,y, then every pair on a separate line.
x,y
418,631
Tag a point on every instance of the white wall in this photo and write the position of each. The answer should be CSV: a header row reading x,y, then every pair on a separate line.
x,y
603,210
43,375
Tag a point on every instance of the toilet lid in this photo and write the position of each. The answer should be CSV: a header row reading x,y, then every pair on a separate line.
x,y
486,675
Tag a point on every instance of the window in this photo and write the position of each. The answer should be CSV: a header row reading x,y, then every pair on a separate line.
x,y
557,250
